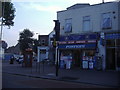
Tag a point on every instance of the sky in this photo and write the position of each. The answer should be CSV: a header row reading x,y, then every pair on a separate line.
x,y
37,16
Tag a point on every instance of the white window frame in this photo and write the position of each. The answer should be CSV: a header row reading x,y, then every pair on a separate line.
x,y
86,23
68,25
105,18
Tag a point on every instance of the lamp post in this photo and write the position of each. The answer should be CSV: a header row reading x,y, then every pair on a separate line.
x,y
2,8
2,19
57,35
102,1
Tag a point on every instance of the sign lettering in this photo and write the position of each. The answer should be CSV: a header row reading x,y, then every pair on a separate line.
x,y
75,46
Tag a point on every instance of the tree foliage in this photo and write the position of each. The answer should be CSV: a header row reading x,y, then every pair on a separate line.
x,y
8,13
26,40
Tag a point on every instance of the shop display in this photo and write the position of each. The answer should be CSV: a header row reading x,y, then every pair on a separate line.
x,y
69,61
85,64
90,65
88,62
66,61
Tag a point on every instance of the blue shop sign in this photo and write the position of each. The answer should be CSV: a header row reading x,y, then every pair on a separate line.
x,y
79,37
72,46
112,36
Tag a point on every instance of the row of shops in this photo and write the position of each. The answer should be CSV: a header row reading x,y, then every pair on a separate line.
x,y
90,51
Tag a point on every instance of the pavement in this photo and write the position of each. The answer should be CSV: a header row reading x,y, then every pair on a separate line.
x,y
108,78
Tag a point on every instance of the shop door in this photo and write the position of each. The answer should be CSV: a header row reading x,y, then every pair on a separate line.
x,y
110,58
77,56
118,57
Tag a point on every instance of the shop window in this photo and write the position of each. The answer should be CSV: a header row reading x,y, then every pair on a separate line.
x,y
110,43
43,51
118,42
106,21
43,42
68,25
86,23
89,53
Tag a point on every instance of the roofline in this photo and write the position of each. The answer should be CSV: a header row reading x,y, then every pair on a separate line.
x,y
90,5
43,35
51,32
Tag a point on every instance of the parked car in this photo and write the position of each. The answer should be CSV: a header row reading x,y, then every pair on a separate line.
x,y
20,59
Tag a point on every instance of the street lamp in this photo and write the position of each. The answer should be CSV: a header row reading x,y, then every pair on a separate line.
x,y
57,35
2,21
2,8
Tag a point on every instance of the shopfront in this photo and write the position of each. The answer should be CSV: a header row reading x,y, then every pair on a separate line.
x,y
112,51
78,51
78,55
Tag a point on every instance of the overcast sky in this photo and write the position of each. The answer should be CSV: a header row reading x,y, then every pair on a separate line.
x,y
38,16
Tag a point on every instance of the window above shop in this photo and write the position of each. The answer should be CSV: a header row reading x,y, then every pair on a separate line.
x,y
68,25
106,21
86,23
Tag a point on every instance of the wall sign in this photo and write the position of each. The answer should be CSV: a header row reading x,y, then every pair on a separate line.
x,y
112,36
73,46
79,37
78,42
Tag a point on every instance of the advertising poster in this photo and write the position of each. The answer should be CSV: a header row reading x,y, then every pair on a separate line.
x,y
90,65
85,64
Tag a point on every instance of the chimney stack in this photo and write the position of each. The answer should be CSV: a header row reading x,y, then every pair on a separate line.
x,y
102,1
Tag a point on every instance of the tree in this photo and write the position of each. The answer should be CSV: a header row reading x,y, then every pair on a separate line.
x,y
8,13
26,40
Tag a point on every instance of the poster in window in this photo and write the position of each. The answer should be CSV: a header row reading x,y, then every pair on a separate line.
x,y
85,64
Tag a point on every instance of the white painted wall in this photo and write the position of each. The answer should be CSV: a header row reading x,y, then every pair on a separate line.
x,y
119,16
102,51
42,56
94,11
51,36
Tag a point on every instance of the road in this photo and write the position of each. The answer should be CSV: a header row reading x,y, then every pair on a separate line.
x,y
17,81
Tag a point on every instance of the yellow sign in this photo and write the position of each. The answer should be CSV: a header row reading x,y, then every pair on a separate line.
x,y
54,42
